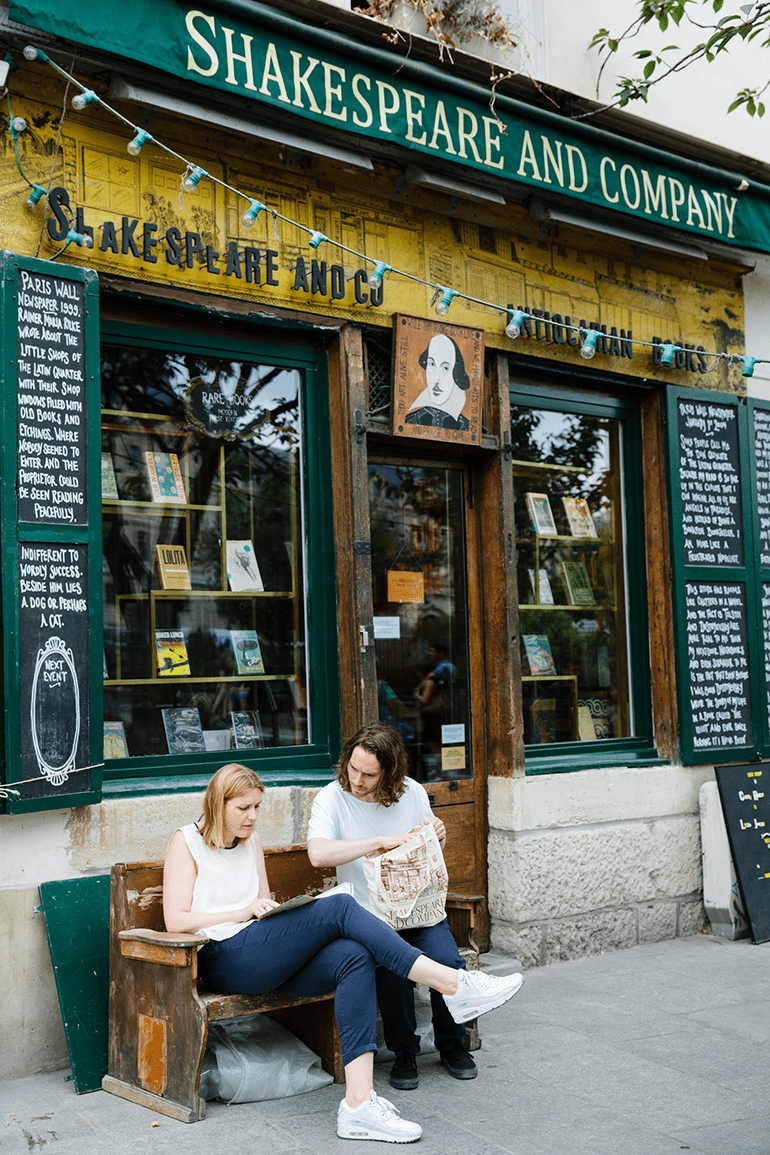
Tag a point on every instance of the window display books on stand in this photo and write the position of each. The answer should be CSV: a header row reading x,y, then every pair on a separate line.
x,y
581,522
538,651
115,745
542,515
544,593
242,569
165,478
171,654
171,562
248,654
109,484
247,730
184,734
578,583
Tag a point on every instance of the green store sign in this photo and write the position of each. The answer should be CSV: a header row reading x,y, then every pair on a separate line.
x,y
265,55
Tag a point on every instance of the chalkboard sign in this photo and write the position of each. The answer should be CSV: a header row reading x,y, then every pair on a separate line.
x,y
762,465
54,710
718,659
710,481
51,406
744,790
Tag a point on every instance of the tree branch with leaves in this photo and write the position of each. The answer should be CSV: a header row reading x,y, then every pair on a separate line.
x,y
721,32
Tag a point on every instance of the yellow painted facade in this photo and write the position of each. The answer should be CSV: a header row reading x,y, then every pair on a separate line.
x,y
495,253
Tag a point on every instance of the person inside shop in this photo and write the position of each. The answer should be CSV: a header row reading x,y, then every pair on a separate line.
x,y
215,882
434,695
371,803
443,399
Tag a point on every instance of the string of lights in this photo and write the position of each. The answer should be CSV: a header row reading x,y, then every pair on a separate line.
x,y
442,295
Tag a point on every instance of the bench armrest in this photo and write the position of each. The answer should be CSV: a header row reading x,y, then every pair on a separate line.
x,y
160,946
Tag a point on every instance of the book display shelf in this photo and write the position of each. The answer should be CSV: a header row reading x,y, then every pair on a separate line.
x,y
571,585
203,580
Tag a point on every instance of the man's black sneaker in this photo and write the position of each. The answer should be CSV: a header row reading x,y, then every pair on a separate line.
x,y
459,1063
403,1074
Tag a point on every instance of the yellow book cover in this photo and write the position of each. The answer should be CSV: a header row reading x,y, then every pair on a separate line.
x,y
171,653
173,573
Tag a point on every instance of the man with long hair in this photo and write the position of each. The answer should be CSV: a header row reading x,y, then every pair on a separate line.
x,y
373,806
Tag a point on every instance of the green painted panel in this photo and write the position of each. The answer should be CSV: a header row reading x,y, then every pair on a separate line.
x,y
77,922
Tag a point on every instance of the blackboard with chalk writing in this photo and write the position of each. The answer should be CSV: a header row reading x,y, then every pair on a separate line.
x,y
744,790
50,514
718,659
710,483
51,400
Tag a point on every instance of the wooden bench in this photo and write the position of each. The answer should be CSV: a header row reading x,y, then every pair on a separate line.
x,y
159,1013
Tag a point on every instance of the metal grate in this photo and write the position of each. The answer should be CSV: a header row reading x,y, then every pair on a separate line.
x,y
378,372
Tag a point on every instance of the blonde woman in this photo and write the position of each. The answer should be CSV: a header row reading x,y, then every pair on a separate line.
x,y
215,881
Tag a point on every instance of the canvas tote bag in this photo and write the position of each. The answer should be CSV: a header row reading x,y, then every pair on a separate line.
x,y
408,886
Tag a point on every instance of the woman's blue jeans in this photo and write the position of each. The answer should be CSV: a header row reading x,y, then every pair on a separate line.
x,y
332,944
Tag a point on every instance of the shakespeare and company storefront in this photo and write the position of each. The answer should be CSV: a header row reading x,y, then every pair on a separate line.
x,y
215,498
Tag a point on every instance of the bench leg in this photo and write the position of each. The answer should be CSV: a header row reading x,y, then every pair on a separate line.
x,y
154,1102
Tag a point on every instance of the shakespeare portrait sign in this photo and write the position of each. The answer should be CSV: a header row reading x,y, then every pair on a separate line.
x,y
438,371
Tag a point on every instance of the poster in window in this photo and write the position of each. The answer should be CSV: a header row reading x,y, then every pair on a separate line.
x,y
438,373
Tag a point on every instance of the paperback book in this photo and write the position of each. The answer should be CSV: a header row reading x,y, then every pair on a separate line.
x,y
538,651
541,514
109,484
248,655
242,569
173,573
184,734
578,583
581,522
115,745
165,478
171,654
544,593
247,731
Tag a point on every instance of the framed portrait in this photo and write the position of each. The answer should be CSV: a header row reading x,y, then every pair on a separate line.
x,y
438,375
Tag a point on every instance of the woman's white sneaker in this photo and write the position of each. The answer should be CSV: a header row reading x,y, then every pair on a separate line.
x,y
478,993
375,1119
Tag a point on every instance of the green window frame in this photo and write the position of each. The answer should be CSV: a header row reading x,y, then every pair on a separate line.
x,y
639,748
311,762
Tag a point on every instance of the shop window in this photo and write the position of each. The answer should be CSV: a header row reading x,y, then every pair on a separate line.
x,y
204,556
570,469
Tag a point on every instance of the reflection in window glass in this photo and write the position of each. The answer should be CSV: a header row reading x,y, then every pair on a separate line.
x,y
204,629
420,615
571,576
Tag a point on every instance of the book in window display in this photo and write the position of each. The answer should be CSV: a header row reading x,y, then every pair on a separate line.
x,y
248,653
242,569
247,730
171,654
538,651
171,562
184,734
578,584
541,514
109,484
543,594
115,745
165,478
579,517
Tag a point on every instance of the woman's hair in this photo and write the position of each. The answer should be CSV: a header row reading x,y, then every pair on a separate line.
x,y
230,781
388,748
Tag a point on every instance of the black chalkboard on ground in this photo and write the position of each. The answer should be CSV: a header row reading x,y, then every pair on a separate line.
x,y
744,790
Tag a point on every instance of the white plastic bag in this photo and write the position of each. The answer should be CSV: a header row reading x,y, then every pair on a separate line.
x,y
253,1058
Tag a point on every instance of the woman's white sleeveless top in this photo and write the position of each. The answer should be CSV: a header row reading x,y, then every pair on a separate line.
x,y
226,880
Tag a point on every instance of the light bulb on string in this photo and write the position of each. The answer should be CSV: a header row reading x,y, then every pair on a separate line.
x,y
588,348
35,196
668,353
18,124
316,239
374,280
32,53
445,300
135,146
515,318
193,177
82,239
252,212
83,98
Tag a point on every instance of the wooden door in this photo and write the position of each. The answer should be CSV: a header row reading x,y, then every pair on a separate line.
x,y
427,640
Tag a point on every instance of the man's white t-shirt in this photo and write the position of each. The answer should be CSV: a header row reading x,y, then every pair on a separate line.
x,y
339,816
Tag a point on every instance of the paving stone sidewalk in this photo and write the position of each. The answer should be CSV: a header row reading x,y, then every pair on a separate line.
x,y
650,1051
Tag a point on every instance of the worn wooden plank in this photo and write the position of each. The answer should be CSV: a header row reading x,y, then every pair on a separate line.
x,y
169,956
660,609
143,1098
